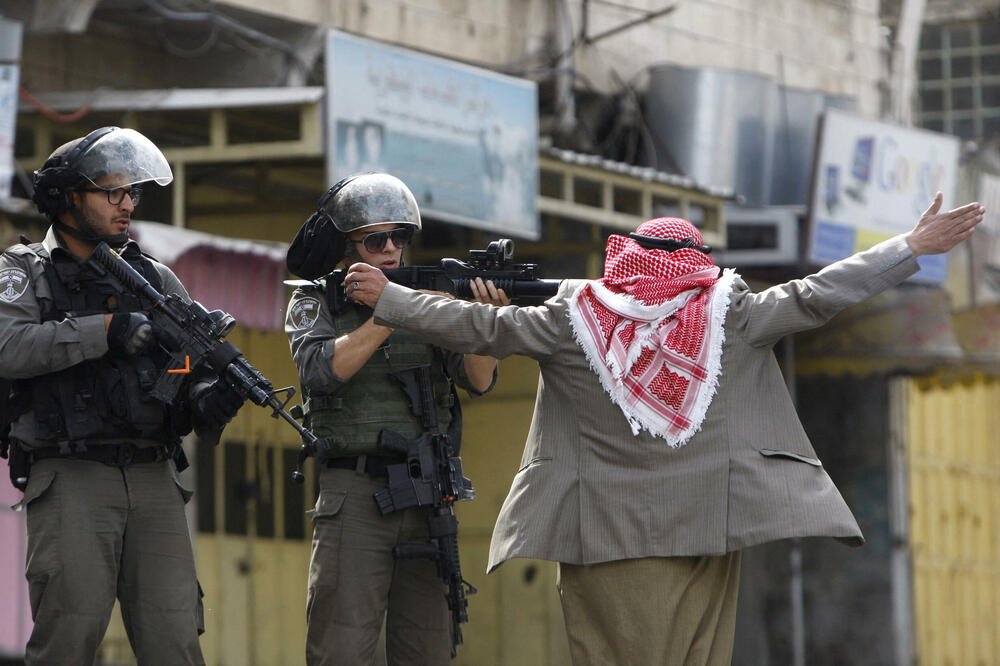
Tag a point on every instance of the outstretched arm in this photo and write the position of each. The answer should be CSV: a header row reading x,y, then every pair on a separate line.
x,y
809,302
477,328
353,350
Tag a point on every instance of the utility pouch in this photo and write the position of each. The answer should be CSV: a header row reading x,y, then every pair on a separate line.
x,y
336,447
180,458
19,462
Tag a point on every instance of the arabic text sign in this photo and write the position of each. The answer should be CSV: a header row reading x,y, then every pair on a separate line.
x,y
463,139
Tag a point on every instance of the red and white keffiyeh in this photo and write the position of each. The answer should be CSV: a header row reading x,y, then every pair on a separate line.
x,y
652,329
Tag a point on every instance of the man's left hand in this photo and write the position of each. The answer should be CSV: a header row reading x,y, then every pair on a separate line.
x,y
486,292
216,403
937,232
364,284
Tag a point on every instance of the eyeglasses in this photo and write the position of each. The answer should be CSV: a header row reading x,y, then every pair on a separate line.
x,y
117,195
375,242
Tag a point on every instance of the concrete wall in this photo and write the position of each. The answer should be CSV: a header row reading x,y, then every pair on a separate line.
x,y
485,32
827,45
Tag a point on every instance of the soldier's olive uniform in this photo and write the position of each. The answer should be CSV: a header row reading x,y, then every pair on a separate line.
x,y
354,581
105,509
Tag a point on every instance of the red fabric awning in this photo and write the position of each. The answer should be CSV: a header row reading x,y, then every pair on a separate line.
x,y
242,277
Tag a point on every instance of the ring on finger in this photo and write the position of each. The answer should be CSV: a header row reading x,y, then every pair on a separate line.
x,y
357,285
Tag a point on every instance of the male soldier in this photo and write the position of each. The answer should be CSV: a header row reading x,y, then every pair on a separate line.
x,y
344,360
105,510
663,440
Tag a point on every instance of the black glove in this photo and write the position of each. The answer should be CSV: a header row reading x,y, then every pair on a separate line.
x,y
130,333
216,403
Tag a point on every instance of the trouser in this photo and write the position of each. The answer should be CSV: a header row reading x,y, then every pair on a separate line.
x,y
97,532
355,583
656,610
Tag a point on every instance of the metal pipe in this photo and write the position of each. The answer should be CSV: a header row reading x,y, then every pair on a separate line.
x,y
796,583
903,76
565,100
649,16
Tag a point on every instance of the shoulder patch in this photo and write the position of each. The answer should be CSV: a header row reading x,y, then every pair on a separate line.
x,y
13,283
304,312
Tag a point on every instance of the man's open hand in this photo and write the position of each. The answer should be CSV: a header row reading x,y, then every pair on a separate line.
x,y
937,232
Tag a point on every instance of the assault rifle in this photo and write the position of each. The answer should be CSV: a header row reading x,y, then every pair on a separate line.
x,y
191,335
519,281
430,476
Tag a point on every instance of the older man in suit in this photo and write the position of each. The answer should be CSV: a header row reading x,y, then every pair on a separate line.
x,y
663,439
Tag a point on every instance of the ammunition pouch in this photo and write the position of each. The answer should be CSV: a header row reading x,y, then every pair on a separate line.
x,y
110,397
330,448
101,399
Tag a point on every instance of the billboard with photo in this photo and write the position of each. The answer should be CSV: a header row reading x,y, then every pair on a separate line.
x,y
8,125
872,180
464,139
10,56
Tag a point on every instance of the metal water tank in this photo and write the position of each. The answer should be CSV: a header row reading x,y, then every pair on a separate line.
x,y
718,125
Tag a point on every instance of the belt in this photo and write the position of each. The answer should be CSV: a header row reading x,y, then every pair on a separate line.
x,y
119,455
374,465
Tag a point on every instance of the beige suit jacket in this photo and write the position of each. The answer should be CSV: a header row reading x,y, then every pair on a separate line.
x,y
590,491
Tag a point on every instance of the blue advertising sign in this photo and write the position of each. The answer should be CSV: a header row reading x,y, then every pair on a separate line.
x,y
463,139
872,181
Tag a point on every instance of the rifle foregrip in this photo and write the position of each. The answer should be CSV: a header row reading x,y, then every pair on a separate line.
x,y
514,288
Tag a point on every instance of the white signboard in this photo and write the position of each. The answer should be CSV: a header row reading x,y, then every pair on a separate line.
x,y
872,181
463,139
10,55
8,125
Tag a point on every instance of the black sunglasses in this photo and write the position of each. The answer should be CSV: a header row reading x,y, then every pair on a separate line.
x,y
375,242
668,244
117,195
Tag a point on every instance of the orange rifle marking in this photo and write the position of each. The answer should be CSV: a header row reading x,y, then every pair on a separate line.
x,y
182,371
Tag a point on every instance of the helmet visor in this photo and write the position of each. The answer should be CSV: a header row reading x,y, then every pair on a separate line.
x,y
122,158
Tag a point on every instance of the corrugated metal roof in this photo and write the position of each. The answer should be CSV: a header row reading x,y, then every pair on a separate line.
x,y
173,99
647,174
171,242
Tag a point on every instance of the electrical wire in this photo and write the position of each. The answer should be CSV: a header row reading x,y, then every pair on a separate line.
x,y
52,114
180,52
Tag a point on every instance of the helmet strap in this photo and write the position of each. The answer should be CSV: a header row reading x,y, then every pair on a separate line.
x,y
85,232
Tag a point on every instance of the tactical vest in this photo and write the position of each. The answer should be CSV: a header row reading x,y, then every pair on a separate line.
x,y
105,398
350,420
